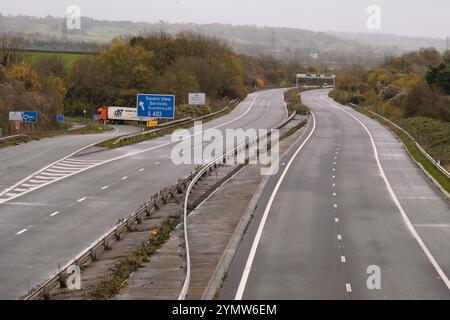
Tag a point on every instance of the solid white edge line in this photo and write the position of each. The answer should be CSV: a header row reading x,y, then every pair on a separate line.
x,y
399,206
257,238
107,161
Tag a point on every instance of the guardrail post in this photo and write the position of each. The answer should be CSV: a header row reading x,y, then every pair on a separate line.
x,y
93,254
62,280
46,292
117,235
106,244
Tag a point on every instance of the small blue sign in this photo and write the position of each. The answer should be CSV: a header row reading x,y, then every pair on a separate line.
x,y
29,117
60,118
95,117
156,106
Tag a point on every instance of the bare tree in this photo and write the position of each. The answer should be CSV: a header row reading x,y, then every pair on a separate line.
x,y
10,49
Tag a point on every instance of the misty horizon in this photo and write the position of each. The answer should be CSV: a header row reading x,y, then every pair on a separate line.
x,y
403,18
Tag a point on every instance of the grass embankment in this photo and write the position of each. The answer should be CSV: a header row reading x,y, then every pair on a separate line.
x,y
414,152
294,102
108,288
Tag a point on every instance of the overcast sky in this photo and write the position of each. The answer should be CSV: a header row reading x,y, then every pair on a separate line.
x,y
429,18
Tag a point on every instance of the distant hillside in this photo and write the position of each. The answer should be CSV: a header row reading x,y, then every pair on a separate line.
x,y
394,41
304,46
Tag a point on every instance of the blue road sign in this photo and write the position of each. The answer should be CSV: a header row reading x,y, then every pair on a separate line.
x,y
29,117
95,117
156,106
60,118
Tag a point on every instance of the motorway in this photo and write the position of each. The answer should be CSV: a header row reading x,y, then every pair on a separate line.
x,y
46,228
17,162
348,201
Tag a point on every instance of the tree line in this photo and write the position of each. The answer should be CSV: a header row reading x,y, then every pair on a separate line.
x,y
150,63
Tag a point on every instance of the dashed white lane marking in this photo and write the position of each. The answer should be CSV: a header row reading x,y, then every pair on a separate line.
x,y
334,184
348,287
142,169
334,194
82,199
104,187
157,162
251,256
403,214
334,169
334,163
343,259
339,237
336,219
20,190
22,231
54,213
334,176
124,178
335,205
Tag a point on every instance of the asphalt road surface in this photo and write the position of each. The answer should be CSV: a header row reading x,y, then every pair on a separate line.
x,y
17,162
46,228
336,219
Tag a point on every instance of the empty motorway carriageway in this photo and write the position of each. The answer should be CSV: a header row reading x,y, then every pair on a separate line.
x,y
348,215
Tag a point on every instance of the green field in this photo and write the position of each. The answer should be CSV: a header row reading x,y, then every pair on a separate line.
x,y
33,56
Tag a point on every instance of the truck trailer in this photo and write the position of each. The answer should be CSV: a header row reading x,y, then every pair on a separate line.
x,y
119,115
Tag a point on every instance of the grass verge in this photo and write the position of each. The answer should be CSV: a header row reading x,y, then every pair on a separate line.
x,y
110,143
414,152
108,288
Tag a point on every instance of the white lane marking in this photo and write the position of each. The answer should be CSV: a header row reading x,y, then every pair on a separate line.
x,y
334,184
52,174
22,231
333,176
38,181
252,253
82,199
104,187
54,164
124,178
336,220
29,185
54,213
334,163
343,259
348,287
44,178
334,194
339,237
142,169
157,162
335,205
408,223
11,194
334,169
